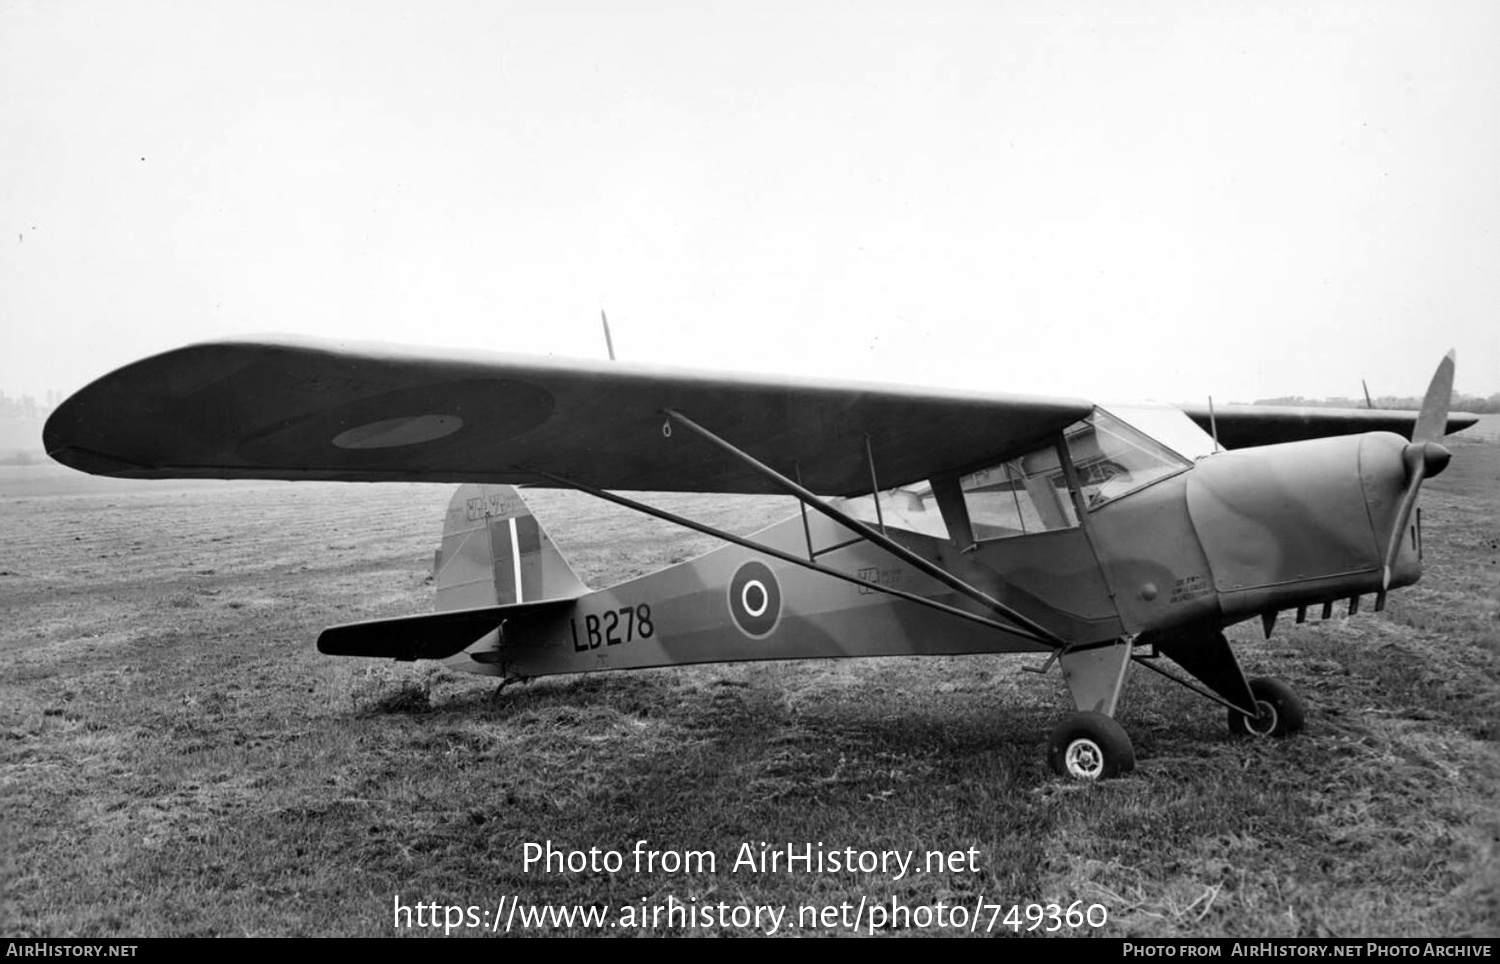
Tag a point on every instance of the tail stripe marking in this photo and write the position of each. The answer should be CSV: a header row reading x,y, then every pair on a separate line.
x,y
515,559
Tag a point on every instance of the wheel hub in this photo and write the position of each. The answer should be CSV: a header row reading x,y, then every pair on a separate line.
x,y
1264,721
1084,759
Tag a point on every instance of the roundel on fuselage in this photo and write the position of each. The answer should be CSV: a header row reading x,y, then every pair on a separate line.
x,y
755,599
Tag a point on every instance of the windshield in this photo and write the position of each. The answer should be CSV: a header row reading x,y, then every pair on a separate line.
x,y
1113,459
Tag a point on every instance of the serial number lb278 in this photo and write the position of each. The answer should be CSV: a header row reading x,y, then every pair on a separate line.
x,y
613,627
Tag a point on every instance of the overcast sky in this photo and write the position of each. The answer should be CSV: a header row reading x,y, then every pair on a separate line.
x,y
1108,199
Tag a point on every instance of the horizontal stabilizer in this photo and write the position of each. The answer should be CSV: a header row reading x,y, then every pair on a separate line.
x,y
426,636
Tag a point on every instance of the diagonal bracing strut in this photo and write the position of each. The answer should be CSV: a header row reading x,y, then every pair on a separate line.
x,y
754,546
811,500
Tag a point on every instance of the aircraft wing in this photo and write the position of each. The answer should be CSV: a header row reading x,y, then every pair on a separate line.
x,y
283,409
1244,426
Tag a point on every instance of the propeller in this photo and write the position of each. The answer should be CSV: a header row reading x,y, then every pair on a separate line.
x,y
1424,457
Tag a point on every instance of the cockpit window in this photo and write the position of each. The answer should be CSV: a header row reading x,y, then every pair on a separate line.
x,y
1019,496
1030,494
1112,459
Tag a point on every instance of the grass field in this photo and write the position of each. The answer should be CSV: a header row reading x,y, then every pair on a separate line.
x,y
176,759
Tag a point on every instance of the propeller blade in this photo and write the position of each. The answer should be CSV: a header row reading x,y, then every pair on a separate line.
x,y
1424,456
1416,470
1432,422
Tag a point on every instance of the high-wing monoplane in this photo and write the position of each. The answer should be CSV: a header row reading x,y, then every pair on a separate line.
x,y
930,522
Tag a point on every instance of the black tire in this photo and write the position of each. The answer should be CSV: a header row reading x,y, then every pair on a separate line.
x,y
1281,711
1090,746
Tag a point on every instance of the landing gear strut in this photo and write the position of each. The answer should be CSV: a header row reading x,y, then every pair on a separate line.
x,y
1207,658
1090,745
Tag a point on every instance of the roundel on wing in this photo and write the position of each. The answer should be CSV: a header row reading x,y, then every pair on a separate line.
x,y
755,599
390,432
461,425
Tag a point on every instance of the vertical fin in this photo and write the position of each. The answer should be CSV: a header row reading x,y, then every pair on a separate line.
x,y
495,553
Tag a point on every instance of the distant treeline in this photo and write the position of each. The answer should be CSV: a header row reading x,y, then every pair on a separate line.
x,y
1473,404
28,407
20,427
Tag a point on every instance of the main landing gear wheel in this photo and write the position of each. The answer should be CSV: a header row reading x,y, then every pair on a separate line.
x,y
1090,746
1280,711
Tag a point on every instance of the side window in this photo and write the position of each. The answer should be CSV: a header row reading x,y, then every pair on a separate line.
x,y
1019,496
910,507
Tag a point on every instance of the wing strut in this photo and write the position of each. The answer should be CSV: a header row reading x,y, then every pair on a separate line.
x,y
709,530
808,498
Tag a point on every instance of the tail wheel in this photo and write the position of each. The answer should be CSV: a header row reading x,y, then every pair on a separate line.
x,y
1279,711
1090,746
